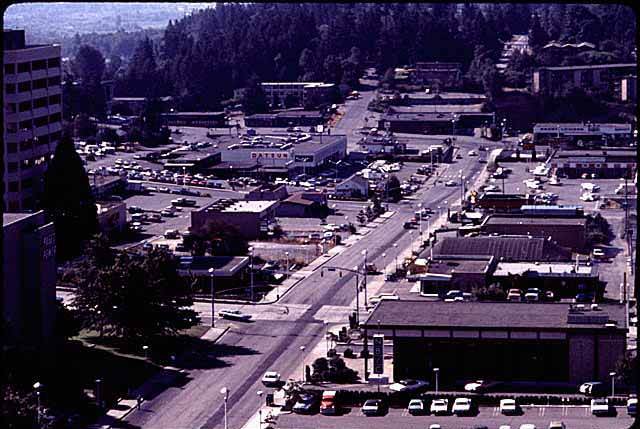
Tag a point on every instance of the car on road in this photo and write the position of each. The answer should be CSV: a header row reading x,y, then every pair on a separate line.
x,y
374,407
416,407
480,386
183,202
601,407
234,315
439,407
435,426
504,427
509,407
271,379
462,407
135,209
554,181
328,404
167,213
408,385
306,404
171,234
458,156
598,253
454,295
587,197
527,426
584,297
557,425
450,183
472,153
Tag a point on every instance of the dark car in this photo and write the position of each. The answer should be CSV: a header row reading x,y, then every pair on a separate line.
x,y
306,404
584,297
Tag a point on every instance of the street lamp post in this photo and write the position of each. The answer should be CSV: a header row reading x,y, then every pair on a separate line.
x,y
384,256
213,313
260,410
395,245
37,386
326,335
146,352
420,219
436,371
251,271
613,384
366,303
302,349
98,393
355,270
225,393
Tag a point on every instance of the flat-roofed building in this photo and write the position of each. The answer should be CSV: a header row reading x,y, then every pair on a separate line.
x,y
580,133
465,273
437,75
252,219
566,232
605,163
550,342
547,80
228,271
504,248
308,94
29,280
435,123
289,118
32,117
112,216
195,119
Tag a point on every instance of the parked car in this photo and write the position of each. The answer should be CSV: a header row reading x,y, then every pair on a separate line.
x,y
374,407
408,385
439,407
584,297
306,404
514,295
601,407
593,388
234,315
328,403
527,426
171,233
271,379
557,425
451,183
461,407
416,407
135,209
532,294
598,253
509,407
632,405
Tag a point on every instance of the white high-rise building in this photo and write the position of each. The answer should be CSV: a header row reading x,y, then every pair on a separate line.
x,y
32,117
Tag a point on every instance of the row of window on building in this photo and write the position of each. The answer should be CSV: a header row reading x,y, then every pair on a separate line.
x,y
38,103
41,121
29,66
32,143
29,85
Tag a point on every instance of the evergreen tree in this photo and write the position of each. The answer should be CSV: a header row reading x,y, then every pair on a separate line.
x,y
537,36
68,200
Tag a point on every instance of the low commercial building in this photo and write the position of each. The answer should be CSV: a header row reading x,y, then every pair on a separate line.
x,y
281,154
354,186
252,219
267,192
580,133
437,75
437,108
308,94
501,341
195,119
303,204
228,271
196,161
388,144
608,163
464,273
104,186
29,280
564,279
502,202
552,211
435,123
547,80
290,118
566,232
112,216
135,105
441,98
502,248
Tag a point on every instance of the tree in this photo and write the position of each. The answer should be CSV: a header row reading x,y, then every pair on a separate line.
x,y
537,36
389,78
68,199
142,78
393,189
254,100
115,296
220,239
333,370
84,127
89,67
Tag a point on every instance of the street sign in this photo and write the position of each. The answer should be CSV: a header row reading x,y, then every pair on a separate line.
x,y
378,354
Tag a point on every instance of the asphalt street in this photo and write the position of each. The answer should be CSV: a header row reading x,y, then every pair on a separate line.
x,y
250,349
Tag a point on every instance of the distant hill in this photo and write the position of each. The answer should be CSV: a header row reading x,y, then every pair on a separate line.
x,y
81,18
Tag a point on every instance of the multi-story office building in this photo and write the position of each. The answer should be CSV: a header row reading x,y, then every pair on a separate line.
x,y
547,80
308,94
32,117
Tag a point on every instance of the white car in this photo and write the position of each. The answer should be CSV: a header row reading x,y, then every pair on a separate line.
x,y
589,197
451,183
439,406
508,406
528,426
554,181
504,427
461,406
435,426
600,407
271,378
408,385
234,315
416,407
598,253
472,153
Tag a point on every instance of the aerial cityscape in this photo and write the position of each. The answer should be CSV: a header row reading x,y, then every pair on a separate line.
x,y
319,216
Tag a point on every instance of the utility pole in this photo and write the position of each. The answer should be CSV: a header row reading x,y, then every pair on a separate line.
x,y
366,303
213,313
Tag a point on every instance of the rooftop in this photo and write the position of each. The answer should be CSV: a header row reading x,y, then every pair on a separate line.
x,y
223,265
239,206
437,108
459,265
597,66
515,248
447,95
9,218
300,142
474,315
543,269
440,117
533,220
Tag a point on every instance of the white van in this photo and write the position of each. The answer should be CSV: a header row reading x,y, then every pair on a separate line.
x,y
590,187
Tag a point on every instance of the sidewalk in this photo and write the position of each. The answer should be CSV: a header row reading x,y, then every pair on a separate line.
x,y
164,378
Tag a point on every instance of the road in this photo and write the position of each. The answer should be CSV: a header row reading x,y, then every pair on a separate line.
x,y
250,349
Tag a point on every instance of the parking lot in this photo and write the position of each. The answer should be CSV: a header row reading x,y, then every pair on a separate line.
x,y
573,417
